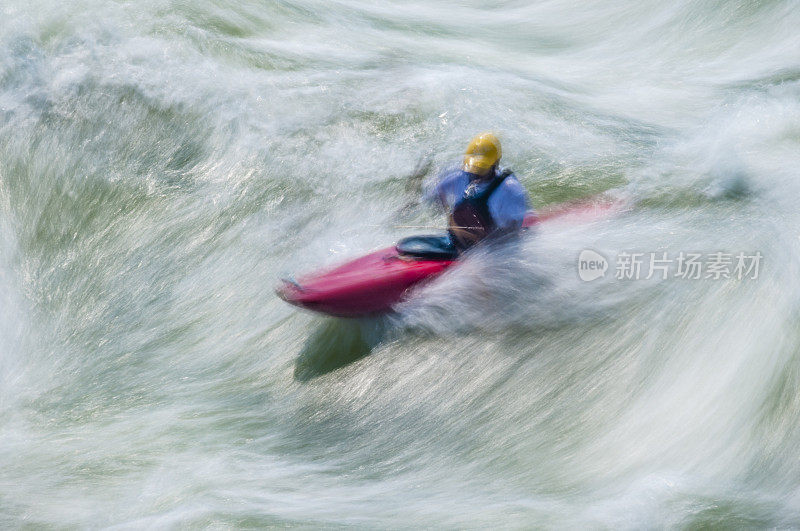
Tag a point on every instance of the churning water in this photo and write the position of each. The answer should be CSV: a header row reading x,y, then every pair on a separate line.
x,y
163,163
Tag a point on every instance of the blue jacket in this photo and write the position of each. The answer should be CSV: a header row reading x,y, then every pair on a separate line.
x,y
507,205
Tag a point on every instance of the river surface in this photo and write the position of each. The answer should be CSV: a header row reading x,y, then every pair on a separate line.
x,y
164,163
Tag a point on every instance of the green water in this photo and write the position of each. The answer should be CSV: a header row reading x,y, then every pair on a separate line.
x,y
163,163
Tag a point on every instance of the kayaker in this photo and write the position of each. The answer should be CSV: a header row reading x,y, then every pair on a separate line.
x,y
482,199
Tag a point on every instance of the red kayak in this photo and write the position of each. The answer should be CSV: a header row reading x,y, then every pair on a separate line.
x,y
374,283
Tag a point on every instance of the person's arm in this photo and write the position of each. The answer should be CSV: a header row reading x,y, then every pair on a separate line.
x,y
443,190
508,205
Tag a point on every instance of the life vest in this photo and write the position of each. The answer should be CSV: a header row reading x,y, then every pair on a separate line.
x,y
471,213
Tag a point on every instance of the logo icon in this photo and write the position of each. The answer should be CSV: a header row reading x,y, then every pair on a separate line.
x,y
591,265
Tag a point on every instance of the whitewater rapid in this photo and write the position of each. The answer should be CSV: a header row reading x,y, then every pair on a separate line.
x,y
163,163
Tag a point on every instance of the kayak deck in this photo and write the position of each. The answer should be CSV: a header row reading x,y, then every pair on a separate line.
x,y
367,285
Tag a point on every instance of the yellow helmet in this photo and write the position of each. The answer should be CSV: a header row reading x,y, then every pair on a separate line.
x,y
482,153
